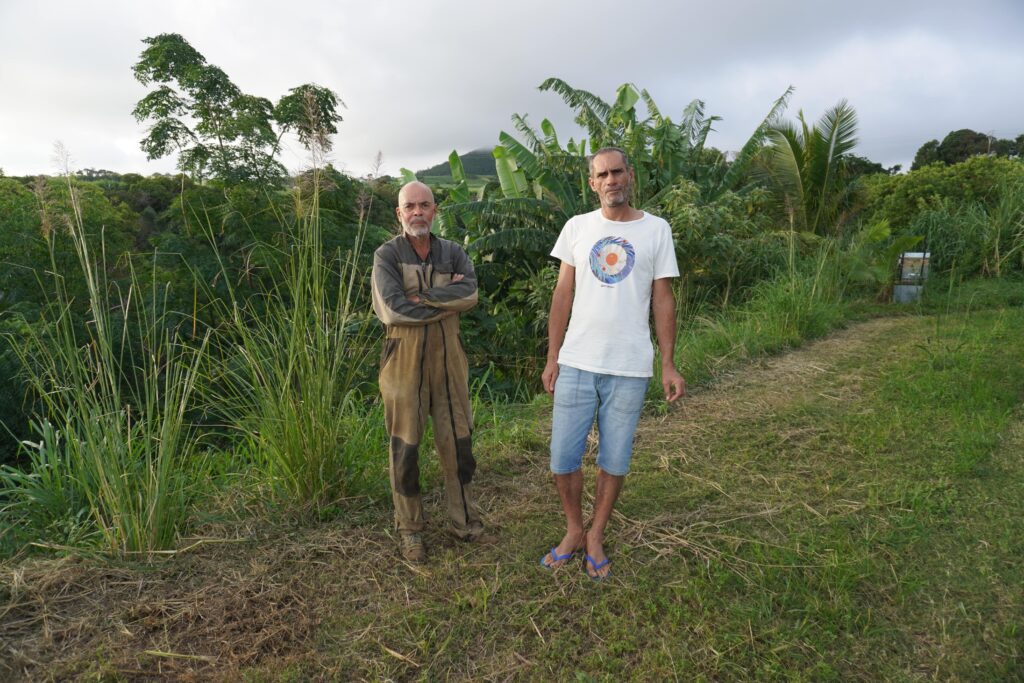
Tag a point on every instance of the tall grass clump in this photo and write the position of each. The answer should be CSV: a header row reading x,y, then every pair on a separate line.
x,y
975,238
114,458
291,367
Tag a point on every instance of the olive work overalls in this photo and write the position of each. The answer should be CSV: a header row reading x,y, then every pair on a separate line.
x,y
424,371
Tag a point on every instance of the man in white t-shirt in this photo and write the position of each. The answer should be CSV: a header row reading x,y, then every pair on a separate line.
x,y
616,268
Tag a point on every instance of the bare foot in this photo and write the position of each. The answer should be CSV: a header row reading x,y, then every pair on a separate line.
x,y
571,542
600,567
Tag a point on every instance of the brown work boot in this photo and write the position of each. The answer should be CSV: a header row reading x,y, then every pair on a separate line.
x,y
480,535
410,544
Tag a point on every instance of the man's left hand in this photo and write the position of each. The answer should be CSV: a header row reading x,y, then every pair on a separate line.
x,y
673,383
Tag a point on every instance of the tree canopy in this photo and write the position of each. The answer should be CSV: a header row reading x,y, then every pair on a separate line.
x,y
960,145
216,129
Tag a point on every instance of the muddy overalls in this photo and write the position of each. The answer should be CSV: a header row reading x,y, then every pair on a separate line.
x,y
424,371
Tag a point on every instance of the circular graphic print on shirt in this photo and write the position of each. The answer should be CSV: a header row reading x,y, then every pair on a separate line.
x,y
612,259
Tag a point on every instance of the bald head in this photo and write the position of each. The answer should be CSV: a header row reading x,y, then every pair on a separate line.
x,y
415,187
416,209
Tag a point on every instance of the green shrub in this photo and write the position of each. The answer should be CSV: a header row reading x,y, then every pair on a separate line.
x,y
290,369
725,246
898,199
976,238
115,453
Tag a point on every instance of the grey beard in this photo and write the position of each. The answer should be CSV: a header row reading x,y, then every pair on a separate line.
x,y
417,230
621,197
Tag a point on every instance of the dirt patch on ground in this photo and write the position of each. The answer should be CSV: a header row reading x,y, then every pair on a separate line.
x,y
203,614
242,598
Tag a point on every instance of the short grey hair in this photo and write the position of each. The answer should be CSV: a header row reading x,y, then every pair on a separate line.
x,y
606,150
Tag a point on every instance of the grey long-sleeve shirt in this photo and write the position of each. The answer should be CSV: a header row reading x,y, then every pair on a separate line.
x,y
398,273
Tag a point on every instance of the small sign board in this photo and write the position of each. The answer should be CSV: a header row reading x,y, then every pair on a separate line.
x,y
911,272
913,267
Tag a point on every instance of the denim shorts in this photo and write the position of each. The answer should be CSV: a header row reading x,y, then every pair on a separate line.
x,y
616,401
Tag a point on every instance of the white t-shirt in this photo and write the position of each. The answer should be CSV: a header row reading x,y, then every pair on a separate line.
x,y
616,265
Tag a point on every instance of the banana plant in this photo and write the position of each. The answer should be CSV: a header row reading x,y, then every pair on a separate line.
x,y
459,193
661,150
512,178
543,183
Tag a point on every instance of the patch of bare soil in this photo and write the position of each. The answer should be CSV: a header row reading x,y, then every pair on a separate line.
x,y
200,615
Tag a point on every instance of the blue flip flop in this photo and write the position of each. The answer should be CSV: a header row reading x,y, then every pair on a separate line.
x,y
595,566
555,557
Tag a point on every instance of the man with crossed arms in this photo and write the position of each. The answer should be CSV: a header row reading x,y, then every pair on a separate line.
x,y
421,283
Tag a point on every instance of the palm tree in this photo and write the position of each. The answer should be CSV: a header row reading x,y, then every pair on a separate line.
x,y
805,166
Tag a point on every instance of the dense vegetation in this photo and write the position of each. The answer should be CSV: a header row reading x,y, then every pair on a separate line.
x,y
171,339
961,145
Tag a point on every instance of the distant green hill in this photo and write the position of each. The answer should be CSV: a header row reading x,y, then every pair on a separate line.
x,y
476,163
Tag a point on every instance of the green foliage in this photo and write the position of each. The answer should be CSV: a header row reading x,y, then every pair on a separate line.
x,y
544,182
233,137
156,192
867,262
21,243
214,245
41,502
975,238
309,111
116,451
899,198
15,403
37,224
805,165
724,247
43,220
459,192
855,166
660,150
926,155
290,365
351,210
960,145
478,162
213,239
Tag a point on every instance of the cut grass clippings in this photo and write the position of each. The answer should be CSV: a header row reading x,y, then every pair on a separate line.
x,y
850,510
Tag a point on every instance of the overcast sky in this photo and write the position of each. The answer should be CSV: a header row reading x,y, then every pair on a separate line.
x,y
422,79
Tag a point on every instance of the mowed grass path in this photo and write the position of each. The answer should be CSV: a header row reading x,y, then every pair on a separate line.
x,y
850,510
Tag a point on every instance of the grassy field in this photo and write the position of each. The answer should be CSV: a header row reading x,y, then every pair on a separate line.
x,y
850,510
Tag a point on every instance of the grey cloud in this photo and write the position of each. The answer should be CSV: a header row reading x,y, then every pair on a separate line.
x,y
421,79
